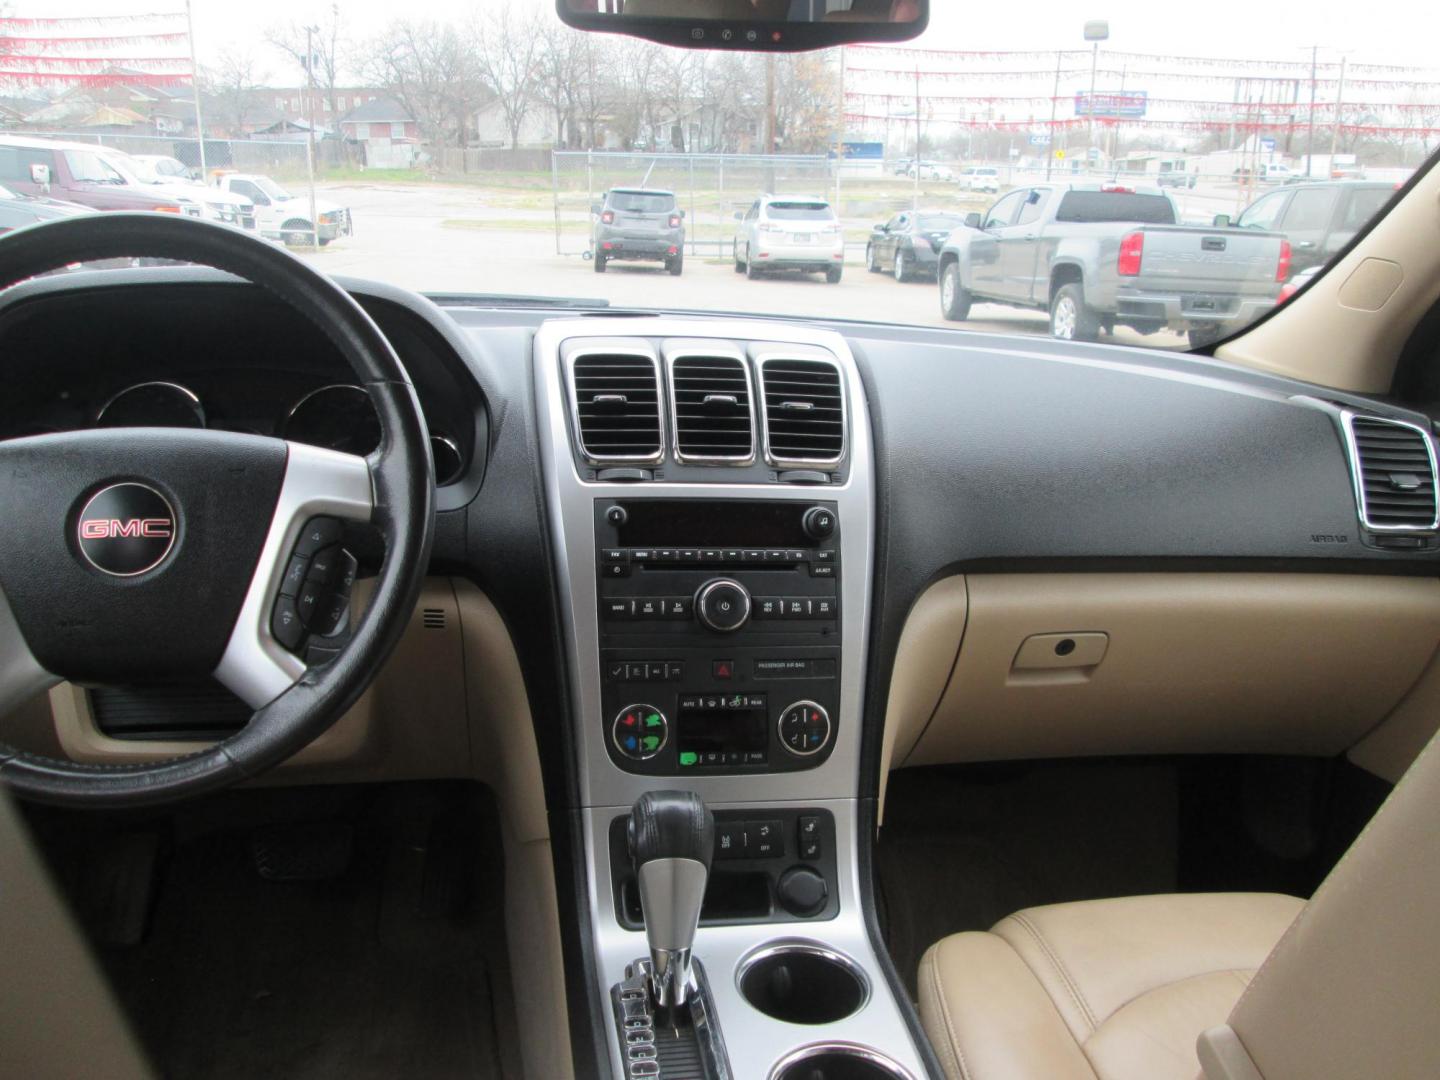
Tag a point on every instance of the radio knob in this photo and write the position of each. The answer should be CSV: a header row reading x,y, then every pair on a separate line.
x,y
722,604
818,523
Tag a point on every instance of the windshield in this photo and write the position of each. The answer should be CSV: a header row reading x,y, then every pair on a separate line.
x,y
462,148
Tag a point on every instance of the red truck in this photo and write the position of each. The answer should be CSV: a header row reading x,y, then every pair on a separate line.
x,y
74,172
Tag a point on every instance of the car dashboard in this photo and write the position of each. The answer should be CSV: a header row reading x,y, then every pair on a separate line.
x,y
768,561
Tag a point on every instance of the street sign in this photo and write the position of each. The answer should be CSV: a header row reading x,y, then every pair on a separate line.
x,y
1060,154
1130,103
1039,140
1267,145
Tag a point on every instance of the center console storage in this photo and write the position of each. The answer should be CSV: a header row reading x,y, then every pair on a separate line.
x,y
719,634
802,982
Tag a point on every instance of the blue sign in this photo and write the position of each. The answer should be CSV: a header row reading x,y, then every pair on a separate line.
x,y
861,151
1129,104
1039,140
1267,145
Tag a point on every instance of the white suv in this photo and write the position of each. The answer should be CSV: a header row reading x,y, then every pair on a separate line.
x,y
980,178
789,232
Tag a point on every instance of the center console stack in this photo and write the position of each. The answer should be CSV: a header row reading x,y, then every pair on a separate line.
x,y
719,634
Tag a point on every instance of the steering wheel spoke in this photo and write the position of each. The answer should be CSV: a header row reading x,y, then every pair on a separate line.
x,y
321,490
21,675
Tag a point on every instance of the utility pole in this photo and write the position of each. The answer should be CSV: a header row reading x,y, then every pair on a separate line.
x,y
310,32
1096,30
1335,128
769,103
1054,100
1310,137
840,131
195,91
915,190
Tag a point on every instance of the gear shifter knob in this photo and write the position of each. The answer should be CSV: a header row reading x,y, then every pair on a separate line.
x,y
671,837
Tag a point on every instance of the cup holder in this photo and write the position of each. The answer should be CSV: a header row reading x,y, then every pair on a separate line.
x,y
838,1061
801,982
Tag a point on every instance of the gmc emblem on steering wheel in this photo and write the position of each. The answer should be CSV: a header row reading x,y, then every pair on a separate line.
x,y
126,529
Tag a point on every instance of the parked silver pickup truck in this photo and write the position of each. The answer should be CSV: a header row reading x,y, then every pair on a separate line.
x,y
1099,255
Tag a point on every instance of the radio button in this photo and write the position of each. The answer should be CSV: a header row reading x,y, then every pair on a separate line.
x,y
642,555
614,555
637,672
796,607
823,607
687,555
649,607
615,570
617,609
824,555
796,555
777,555
822,570
753,555
711,555
640,731
818,522
722,605
731,555
665,555
677,607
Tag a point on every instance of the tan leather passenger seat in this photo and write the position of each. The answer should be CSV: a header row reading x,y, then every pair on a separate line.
x,y
1107,989
1154,987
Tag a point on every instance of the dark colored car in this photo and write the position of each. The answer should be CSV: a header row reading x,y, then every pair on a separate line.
x,y
1317,218
640,224
75,172
17,211
909,244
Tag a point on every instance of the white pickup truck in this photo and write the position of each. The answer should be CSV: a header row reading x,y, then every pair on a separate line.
x,y
283,216
194,198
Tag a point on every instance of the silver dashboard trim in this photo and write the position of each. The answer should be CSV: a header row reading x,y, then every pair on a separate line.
x,y
570,500
766,353
600,345
864,1053
672,351
1352,451
254,666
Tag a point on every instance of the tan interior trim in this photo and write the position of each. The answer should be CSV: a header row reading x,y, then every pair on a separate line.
x,y
1354,345
57,1015
1394,744
1194,663
1224,1057
924,659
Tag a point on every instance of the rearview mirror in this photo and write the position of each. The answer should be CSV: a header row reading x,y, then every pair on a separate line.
x,y
1222,221
39,174
972,220
754,25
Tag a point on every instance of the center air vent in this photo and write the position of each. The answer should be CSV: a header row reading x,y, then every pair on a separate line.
x,y
1394,473
617,406
711,403
804,411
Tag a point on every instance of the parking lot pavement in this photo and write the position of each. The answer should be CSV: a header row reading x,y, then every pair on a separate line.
x,y
401,237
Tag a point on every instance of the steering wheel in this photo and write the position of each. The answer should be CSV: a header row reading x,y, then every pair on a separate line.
x,y
135,554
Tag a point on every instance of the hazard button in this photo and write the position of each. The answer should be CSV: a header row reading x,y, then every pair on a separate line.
x,y
722,669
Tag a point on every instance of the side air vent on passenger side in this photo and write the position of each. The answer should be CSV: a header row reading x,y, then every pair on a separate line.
x,y
711,404
616,398
804,411
1394,468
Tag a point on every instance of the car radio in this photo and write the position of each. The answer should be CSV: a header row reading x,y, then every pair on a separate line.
x,y
719,633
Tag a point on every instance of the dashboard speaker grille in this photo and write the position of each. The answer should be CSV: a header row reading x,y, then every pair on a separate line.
x,y
804,411
1394,474
714,414
617,406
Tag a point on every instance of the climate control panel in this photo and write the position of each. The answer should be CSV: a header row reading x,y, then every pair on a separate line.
x,y
719,634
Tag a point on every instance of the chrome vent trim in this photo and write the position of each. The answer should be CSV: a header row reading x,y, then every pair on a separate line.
x,y
631,432
710,434
1376,453
800,383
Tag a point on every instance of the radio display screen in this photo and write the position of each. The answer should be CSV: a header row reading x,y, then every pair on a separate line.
x,y
723,730
681,523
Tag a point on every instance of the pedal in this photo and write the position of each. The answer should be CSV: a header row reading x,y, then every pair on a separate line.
x,y
316,852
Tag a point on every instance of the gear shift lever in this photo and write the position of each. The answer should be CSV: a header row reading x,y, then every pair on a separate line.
x,y
671,838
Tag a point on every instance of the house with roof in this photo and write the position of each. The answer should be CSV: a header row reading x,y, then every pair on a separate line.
x,y
386,132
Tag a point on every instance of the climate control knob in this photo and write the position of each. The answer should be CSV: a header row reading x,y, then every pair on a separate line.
x,y
722,605
804,728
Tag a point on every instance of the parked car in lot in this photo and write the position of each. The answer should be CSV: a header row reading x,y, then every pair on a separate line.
x,y
197,199
642,224
1176,178
280,215
75,172
1100,255
786,232
17,210
980,178
909,244
930,170
1318,218
1268,172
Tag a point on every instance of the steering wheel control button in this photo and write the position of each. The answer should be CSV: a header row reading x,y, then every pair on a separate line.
x,y
818,523
295,572
126,529
804,728
285,624
324,564
722,605
640,731
319,532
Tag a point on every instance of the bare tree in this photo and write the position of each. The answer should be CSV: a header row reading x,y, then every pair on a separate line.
x,y
508,42
430,69
290,37
232,84
560,68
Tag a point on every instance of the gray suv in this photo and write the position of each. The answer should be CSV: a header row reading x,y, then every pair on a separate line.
x,y
640,223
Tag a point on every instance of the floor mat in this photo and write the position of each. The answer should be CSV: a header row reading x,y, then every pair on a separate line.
x,y
964,846
394,965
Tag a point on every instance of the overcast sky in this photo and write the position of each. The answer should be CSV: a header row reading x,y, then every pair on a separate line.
x,y
1383,32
